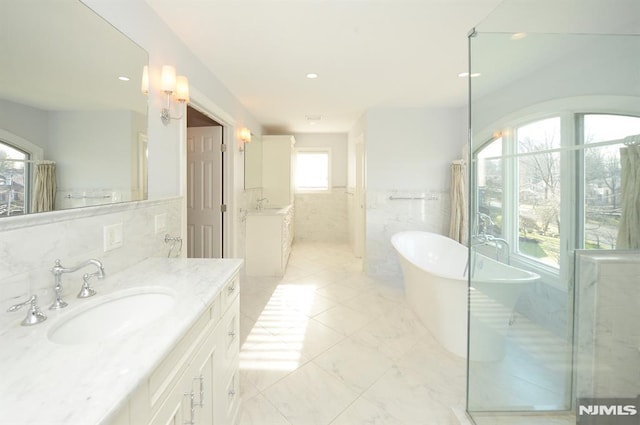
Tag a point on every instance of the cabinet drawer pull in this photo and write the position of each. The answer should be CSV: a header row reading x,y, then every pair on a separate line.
x,y
231,288
192,407
232,334
201,380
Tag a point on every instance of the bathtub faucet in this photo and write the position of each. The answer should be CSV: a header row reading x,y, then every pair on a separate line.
x,y
500,244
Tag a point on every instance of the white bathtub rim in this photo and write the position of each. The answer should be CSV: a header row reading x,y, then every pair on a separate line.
x,y
527,276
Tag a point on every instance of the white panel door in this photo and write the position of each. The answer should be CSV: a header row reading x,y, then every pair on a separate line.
x,y
204,192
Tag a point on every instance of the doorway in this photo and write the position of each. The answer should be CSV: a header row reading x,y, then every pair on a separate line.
x,y
205,186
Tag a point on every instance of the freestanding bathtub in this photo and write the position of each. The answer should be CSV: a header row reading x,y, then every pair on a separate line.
x,y
434,268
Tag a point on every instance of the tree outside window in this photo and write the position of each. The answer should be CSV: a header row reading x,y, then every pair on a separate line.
x,y
539,190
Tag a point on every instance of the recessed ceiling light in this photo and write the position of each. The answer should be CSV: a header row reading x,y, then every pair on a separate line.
x,y
312,75
519,36
123,78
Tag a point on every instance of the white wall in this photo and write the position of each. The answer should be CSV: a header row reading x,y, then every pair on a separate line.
x,y
29,123
90,159
410,149
408,154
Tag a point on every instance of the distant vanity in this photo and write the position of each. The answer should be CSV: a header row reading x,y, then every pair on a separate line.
x,y
269,227
269,239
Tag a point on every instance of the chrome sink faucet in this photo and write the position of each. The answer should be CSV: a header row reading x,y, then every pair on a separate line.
x,y
86,290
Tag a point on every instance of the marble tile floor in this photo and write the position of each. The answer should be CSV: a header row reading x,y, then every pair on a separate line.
x,y
327,345
535,373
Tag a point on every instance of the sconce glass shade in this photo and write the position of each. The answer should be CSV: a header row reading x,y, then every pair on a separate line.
x,y
144,86
182,89
245,135
168,83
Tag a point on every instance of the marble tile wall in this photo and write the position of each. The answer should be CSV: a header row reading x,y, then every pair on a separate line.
x,y
386,217
322,217
29,246
548,306
607,314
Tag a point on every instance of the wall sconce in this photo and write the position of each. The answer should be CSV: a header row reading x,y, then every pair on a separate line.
x,y
172,86
245,137
176,86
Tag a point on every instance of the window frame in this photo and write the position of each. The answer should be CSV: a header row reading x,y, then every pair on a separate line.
x,y
321,150
572,190
33,153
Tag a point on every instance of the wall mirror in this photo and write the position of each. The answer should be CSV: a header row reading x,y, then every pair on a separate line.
x,y
253,163
70,94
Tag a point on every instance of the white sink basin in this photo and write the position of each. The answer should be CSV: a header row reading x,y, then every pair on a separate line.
x,y
112,317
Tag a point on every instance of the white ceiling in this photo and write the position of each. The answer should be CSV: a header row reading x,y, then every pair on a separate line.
x,y
367,53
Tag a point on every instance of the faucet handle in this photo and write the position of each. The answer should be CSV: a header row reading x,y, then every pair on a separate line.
x,y
34,315
87,291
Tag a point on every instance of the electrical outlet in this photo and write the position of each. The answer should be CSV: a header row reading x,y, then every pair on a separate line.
x,y
112,236
161,223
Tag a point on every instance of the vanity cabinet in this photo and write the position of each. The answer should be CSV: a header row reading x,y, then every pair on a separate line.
x,y
197,382
278,170
268,241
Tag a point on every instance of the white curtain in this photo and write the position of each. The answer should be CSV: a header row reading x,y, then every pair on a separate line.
x,y
629,230
44,192
458,223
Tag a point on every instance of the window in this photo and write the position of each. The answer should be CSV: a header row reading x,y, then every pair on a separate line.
x,y
14,180
532,178
313,170
603,137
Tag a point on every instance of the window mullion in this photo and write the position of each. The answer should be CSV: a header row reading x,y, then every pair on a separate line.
x,y
511,183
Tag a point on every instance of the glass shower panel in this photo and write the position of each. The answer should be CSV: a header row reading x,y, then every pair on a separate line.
x,y
550,115
519,353
520,336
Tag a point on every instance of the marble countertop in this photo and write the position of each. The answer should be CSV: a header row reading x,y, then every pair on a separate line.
x,y
50,384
